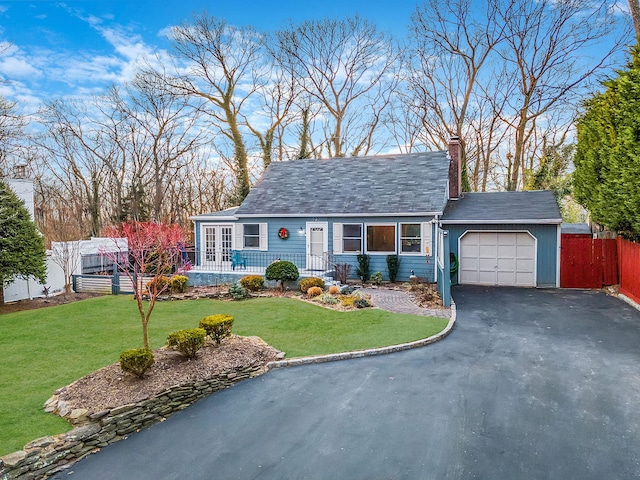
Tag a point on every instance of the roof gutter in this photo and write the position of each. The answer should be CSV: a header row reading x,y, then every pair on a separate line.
x,y
546,221
331,215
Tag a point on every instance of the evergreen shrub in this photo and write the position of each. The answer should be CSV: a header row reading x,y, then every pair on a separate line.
x,y
306,283
376,278
282,271
178,284
393,265
253,283
361,303
327,299
217,326
188,341
237,292
363,266
136,361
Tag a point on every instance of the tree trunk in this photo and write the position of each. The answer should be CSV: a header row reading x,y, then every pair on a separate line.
x,y
94,206
634,6
241,171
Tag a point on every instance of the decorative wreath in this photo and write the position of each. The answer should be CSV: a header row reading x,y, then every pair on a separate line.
x,y
283,233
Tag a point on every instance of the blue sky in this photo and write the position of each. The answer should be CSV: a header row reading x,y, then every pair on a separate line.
x,y
77,47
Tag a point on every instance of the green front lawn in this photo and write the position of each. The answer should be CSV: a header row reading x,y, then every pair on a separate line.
x,y
43,350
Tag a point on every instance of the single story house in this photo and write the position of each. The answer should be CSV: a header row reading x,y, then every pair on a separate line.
x,y
323,213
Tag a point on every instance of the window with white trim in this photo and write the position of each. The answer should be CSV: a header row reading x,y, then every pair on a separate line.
x,y
251,235
352,237
411,238
381,238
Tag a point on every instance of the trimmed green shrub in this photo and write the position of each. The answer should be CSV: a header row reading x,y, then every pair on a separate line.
x,y
178,284
136,361
188,341
314,291
363,266
376,278
282,271
393,265
361,303
237,292
306,283
327,299
217,326
253,283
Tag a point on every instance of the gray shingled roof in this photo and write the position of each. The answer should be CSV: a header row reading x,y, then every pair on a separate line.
x,y
389,184
576,229
538,206
229,212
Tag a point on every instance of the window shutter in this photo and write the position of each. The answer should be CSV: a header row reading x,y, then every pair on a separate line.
x,y
238,231
427,238
337,238
264,244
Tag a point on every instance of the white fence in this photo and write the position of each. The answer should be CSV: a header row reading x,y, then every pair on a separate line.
x,y
106,284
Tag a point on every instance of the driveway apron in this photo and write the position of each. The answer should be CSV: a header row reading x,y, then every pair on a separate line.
x,y
531,384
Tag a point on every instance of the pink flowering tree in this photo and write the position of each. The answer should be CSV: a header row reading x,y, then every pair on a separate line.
x,y
153,250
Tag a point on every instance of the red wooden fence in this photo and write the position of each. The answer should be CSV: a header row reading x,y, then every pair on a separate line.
x,y
587,263
629,266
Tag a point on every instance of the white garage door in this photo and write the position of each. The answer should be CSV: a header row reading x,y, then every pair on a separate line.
x,y
497,258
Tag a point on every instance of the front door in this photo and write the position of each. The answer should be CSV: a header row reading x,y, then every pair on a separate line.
x,y
216,246
317,245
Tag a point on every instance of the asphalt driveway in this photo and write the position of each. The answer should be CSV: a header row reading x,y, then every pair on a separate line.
x,y
532,384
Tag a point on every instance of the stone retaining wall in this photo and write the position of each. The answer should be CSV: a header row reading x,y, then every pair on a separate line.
x,y
93,430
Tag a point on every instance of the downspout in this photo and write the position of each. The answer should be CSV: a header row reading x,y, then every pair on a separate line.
x,y
436,223
196,245
558,254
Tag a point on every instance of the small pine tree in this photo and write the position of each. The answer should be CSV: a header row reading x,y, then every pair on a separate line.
x,y
22,253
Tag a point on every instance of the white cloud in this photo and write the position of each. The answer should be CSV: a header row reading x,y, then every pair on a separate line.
x,y
15,64
36,74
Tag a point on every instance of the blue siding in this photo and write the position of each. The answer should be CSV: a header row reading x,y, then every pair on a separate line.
x,y
422,265
547,239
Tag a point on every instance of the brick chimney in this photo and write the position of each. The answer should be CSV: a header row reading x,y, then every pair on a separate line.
x,y
455,178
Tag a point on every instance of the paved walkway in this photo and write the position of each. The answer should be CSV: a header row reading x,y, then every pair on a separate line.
x,y
400,302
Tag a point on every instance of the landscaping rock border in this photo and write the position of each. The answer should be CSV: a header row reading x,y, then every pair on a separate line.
x,y
46,456
93,430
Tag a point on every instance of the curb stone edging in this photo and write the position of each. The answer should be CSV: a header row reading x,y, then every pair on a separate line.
x,y
628,300
50,455
333,357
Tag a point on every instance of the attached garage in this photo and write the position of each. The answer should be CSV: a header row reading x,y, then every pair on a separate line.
x,y
497,258
505,238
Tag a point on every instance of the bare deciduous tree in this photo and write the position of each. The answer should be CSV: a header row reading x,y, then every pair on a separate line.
x,y
224,69
546,43
67,255
634,7
348,68
169,132
504,76
451,45
75,154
